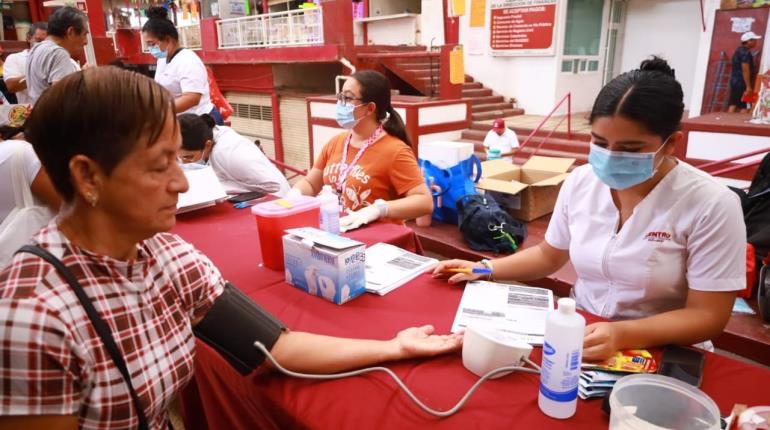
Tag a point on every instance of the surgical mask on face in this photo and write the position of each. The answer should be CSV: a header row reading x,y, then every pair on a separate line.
x,y
345,117
156,52
621,170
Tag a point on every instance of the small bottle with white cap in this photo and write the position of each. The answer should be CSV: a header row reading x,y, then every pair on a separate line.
x,y
562,353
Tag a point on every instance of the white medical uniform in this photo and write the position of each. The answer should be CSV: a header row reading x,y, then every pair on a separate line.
x,y
186,73
505,142
242,167
16,67
688,233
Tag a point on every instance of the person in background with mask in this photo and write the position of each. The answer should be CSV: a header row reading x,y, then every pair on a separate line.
x,y
15,70
179,70
372,166
658,246
51,60
239,164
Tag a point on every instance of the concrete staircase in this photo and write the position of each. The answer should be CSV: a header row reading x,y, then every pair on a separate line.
x,y
486,104
558,145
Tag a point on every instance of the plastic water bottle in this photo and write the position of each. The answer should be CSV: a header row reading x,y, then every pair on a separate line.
x,y
562,353
330,210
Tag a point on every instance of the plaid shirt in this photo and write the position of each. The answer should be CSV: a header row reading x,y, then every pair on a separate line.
x,y
52,362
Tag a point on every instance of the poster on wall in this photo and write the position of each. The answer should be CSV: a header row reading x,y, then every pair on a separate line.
x,y
522,27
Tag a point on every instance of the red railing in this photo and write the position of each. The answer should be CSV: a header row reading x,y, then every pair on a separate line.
x,y
568,98
283,166
707,167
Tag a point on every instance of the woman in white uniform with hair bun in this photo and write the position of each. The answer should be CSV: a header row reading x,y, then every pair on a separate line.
x,y
658,246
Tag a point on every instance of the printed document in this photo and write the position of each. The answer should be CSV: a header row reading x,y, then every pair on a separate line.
x,y
515,309
389,267
205,189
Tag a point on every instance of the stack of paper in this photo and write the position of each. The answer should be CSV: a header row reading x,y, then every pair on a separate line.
x,y
389,267
597,379
516,310
595,383
205,189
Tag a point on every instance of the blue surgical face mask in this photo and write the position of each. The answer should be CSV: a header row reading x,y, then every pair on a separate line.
x,y
156,52
621,170
345,117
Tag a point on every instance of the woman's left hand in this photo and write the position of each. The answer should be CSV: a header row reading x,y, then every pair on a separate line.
x,y
355,219
421,342
601,341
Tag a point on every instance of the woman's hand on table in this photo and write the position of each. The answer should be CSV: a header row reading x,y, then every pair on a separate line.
x,y
444,267
421,342
601,341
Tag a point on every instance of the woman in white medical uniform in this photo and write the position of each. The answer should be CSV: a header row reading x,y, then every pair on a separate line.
x,y
658,246
239,164
179,70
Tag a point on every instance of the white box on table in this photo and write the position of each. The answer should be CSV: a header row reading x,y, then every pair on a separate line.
x,y
324,264
445,154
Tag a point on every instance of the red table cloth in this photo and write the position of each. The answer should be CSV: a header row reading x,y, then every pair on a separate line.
x,y
229,237
220,398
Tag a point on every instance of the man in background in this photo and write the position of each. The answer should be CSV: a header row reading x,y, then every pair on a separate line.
x,y
15,70
502,138
743,72
51,60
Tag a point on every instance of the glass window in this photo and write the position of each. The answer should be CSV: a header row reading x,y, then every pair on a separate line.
x,y
566,66
593,66
584,27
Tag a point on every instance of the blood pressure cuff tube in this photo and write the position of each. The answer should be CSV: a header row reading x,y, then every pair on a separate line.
x,y
233,324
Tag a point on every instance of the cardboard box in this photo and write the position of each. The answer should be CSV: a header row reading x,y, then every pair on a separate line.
x,y
529,191
324,264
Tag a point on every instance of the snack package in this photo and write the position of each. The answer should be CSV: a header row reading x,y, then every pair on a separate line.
x,y
627,361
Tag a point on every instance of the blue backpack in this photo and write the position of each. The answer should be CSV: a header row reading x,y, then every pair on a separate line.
x,y
450,185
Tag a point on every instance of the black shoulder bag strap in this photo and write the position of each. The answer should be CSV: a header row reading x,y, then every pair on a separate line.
x,y
101,327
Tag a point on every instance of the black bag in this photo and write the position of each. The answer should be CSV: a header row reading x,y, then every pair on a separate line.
x,y
487,227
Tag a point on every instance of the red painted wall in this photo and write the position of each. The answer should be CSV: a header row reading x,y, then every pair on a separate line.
x,y
257,78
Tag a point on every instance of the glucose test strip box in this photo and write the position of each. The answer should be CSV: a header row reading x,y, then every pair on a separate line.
x,y
324,264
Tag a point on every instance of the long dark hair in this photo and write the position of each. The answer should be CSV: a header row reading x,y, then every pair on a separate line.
x,y
649,95
375,88
159,25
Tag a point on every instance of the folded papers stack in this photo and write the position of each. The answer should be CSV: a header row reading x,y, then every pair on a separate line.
x,y
597,379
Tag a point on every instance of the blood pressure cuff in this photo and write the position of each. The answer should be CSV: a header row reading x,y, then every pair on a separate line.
x,y
233,324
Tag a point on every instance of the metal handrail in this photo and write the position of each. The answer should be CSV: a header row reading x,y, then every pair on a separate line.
x,y
705,166
568,98
288,28
735,168
283,166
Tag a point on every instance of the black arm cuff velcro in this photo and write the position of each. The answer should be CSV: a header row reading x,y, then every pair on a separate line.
x,y
232,325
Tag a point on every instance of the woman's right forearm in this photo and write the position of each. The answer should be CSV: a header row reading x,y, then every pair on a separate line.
x,y
529,264
304,186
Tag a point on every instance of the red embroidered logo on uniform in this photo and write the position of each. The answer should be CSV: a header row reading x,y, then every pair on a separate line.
x,y
657,236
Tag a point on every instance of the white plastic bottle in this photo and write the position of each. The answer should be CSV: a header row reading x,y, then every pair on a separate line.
x,y
330,210
562,353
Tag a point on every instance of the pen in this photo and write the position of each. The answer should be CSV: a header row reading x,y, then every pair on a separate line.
x,y
477,270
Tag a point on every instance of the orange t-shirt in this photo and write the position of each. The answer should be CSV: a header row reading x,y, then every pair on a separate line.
x,y
386,170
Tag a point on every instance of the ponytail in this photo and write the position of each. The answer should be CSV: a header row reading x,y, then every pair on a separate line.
x,y
394,125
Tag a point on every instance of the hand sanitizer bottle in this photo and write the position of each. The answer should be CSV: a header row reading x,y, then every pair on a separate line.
x,y
330,210
562,352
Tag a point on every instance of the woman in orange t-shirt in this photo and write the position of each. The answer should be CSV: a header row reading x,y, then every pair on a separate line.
x,y
372,166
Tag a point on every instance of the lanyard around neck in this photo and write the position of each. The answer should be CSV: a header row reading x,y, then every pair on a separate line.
x,y
345,168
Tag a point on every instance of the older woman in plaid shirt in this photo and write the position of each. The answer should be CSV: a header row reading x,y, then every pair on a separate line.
x,y
109,140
